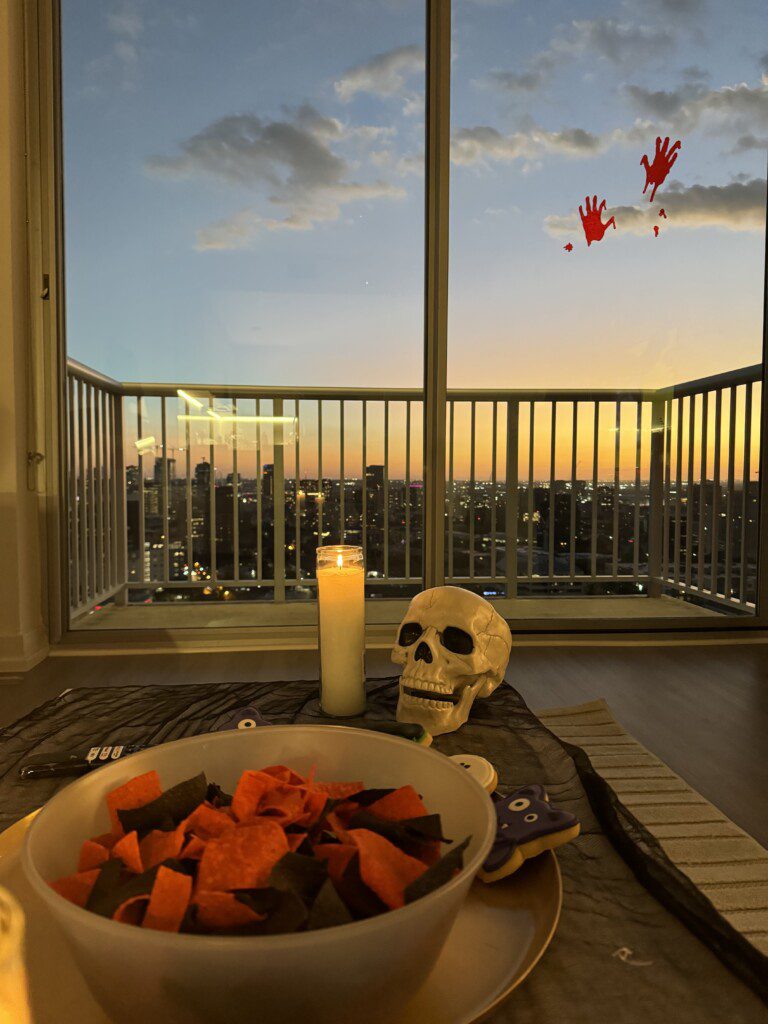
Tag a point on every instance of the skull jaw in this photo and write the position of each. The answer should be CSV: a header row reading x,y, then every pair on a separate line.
x,y
437,720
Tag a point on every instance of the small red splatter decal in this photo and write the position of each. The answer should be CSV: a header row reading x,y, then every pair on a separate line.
x,y
568,247
591,221
664,158
656,230
663,213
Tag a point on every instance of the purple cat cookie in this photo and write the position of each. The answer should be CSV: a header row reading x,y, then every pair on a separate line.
x,y
526,825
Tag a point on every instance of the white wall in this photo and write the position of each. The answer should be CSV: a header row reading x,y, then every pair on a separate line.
x,y
23,632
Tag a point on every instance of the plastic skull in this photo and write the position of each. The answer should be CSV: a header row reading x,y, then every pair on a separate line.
x,y
454,647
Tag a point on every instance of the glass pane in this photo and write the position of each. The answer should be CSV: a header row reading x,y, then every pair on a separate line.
x,y
595,264
244,201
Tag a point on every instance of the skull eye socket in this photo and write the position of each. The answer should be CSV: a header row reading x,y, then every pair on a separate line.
x,y
409,633
457,641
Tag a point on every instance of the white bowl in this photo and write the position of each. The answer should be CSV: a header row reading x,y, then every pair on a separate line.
x,y
356,972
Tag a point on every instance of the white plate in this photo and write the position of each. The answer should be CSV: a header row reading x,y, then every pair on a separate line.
x,y
507,925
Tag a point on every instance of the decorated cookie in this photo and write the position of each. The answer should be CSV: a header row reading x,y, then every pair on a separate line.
x,y
526,825
479,768
246,717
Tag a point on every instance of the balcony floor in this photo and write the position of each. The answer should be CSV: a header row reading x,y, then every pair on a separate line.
x,y
385,612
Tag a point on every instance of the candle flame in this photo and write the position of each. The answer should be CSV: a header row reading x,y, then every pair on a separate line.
x,y
339,560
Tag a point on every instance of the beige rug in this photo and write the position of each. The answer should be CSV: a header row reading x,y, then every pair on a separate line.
x,y
726,864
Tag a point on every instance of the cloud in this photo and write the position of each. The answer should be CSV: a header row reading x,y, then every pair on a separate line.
x,y
483,144
289,162
738,206
127,22
678,8
621,43
733,109
748,142
385,74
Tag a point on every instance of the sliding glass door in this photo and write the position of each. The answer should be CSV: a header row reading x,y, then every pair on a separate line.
x,y
606,324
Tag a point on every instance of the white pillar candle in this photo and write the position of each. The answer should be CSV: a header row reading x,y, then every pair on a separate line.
x,y
341,612
14,1006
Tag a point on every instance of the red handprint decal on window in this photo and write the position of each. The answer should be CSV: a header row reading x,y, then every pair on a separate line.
x,y
663,159
568,247
591,221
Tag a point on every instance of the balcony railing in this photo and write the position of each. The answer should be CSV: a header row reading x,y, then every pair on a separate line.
x,y
226,491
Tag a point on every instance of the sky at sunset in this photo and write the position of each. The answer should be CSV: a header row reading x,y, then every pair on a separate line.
x,y
244,191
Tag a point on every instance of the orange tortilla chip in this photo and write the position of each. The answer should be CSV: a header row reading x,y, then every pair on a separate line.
x,y
221,910
400,804
286,804
92,855
158,846
76,888
243,858
127,849
206,822
249,793
338,855
194,849
386,870
134,793
131,910
107,840
285,775
295,839
339,790
168,901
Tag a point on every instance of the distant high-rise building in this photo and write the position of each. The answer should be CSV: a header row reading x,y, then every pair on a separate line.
x,y
268,481
203,474
158,475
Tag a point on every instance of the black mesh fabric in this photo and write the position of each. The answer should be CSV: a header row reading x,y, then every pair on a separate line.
x,y
636,942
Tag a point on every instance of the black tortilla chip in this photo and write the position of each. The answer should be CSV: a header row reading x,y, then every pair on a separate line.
x,y
358,898
215,795
410,834
285,911
439,873
329,909
405,730
169,809
298,874
107,881
109,891
367,796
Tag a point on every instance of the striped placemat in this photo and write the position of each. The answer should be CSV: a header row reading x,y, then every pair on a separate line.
x,y
725,863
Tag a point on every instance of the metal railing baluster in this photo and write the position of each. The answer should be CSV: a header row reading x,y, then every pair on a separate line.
x,y
595,489
278,502
689,491
320,481
636,518
678,490
90,492
511,500
386,489
616,484
98,494
188,502
342,481
667,496
106,493
745,474
729,502
471,524
552,488
259,500
531,445
451,486
235,496
702,556
212,493
494,441
298,490
164,493
142,518
74,518
572,546
715,577
407,490
364,495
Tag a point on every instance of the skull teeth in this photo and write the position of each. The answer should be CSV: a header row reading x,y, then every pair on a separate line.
x,y
428,697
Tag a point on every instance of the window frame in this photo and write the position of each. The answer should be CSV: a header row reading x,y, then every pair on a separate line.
x,y
46,275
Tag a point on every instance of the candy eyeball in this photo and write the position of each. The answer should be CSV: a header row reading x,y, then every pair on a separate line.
x,y
246,723
520,804
531,818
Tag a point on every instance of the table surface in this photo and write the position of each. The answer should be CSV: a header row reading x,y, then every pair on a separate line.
x,y
586,976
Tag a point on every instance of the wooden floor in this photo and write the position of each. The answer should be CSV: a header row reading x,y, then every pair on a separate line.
x,y
702,710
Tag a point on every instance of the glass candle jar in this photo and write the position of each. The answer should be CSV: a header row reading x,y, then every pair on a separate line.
x,y
14,1003
341,614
